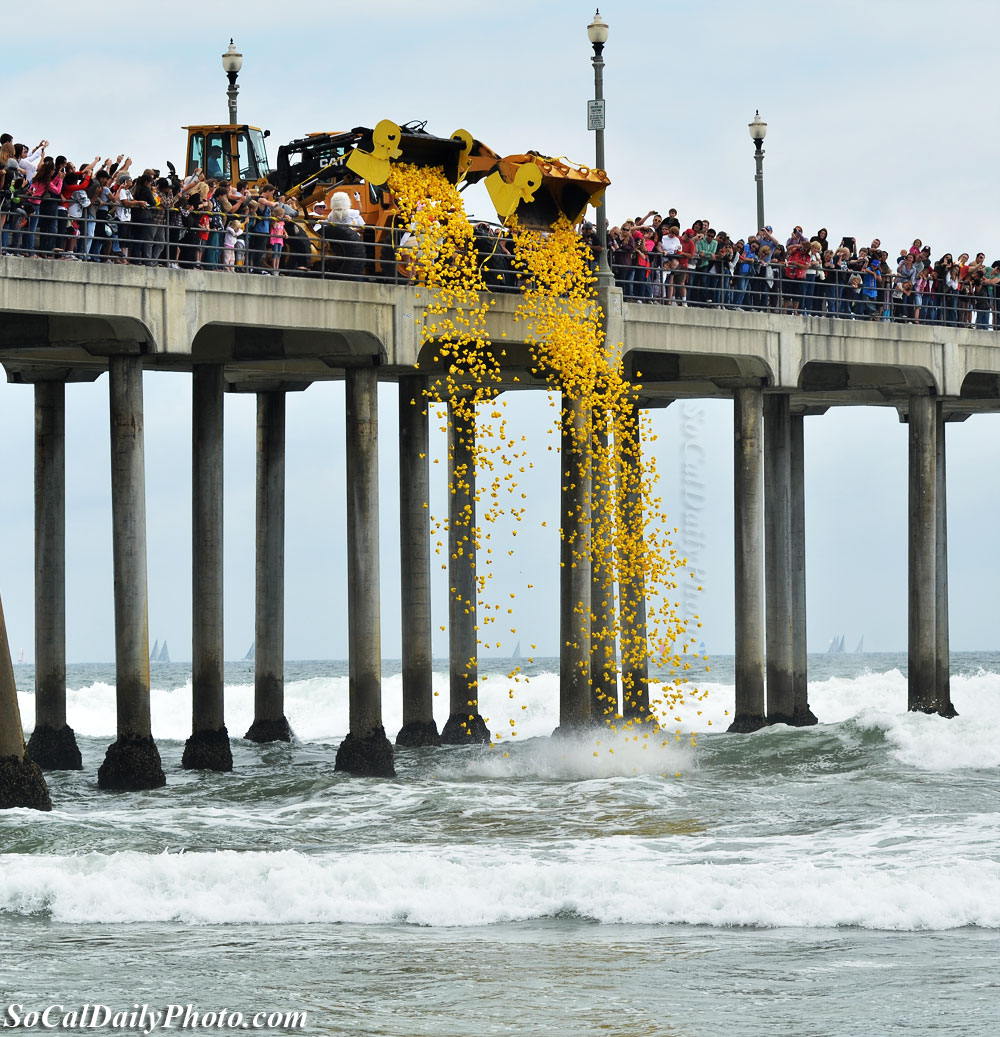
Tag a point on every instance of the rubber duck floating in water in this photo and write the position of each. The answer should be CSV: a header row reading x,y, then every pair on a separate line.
x,y
506,197
373,165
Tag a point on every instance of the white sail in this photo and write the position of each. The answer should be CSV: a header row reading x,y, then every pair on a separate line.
x,y
164,654
515,656
251,651
154,655
860,650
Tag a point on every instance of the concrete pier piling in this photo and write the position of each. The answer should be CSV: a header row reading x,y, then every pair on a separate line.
x,y
603,659
269,722
52,744
465,723
634,641
942,640
22,783
419,727
923,557
780,664
748,521
133,761
366,750
575,584
802,714
208,747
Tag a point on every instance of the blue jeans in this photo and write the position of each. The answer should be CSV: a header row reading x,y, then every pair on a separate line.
x,y
740,291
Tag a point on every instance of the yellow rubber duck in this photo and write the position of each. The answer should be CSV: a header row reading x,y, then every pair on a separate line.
x,y
373,165
506,197
465,155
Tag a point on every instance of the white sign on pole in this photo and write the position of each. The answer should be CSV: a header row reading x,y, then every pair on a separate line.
x,y
595,115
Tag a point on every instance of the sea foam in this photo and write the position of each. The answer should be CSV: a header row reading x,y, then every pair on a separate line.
x,y
612,881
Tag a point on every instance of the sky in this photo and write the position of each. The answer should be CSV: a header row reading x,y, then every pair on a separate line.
x,y
878,125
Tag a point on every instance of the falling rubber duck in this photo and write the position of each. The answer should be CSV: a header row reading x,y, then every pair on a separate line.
x,y
506,197
373,165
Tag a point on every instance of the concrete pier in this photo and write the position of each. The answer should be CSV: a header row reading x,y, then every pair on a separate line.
x,y
133,761
208,747
269,723
22,783
942,640
778,559
465,724
365,750
603,659
748,521
802,715
923,524
634,643
419,727
575,584
53,743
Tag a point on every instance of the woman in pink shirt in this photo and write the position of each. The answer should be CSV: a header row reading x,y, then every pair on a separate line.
x,y
46,193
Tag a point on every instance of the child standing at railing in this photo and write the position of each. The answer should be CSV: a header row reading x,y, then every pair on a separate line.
x,y
278,236
234,231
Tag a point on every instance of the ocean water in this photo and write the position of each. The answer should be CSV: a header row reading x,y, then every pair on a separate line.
x,y
837,880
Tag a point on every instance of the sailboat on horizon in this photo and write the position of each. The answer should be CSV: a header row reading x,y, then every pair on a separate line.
x,y
154,655
251,651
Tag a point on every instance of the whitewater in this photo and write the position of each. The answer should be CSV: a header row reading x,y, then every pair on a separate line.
x,y
729,884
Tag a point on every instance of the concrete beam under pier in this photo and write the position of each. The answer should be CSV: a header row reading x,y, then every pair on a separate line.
x,y
418,727
208,747
802,715
366,750
748,520
603,664
923,519
465,723
632,588
574,569
778,558
133,761
22,783
942,639
53,743
269,722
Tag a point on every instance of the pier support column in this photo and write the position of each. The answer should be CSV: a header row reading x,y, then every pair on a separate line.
x,y
778,558
418,727
603,660
22,783
575,584
942,646
923,556
632,587
133,761
802,715
269,722
52,744
366,750
465,724
748,521
208,747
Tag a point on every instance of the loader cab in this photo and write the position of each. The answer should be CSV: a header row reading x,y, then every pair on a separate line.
x,y
227,152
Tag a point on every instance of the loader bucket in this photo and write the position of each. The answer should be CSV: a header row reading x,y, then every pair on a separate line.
x,y
419,148
565,190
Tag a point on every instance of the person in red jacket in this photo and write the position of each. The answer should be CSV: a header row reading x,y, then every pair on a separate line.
x,y
685,259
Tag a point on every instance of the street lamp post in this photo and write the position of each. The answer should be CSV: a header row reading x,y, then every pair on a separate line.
x,y
597,32
232,62
758,130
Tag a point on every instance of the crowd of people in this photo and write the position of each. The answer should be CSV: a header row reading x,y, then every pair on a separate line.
x,y
654,260
103,211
